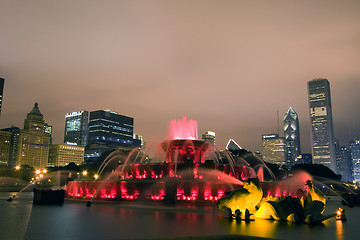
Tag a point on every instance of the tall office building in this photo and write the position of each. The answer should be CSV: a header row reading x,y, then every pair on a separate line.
x,y
14,142
354,146
291,136
1,92
273,149
323,143
343,162
76,128
209,136
34,141
5,138
109,130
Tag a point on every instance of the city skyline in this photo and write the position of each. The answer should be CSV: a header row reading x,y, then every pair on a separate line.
x,y
230,66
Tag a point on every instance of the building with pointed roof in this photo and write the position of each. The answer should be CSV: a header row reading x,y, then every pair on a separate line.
x,y
34,140
232,145
291,137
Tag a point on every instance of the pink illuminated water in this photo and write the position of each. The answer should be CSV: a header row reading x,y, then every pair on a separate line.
x,y
183,129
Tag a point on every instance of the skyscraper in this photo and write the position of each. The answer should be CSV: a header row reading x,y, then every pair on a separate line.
x,y
273,149
291,136
33,146
5,138
109,130
76,128
14,142
1,92
343,162
323,143
354,146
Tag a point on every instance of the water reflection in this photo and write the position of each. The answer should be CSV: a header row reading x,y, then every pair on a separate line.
x,y
21,220
15,216
259,228
339,230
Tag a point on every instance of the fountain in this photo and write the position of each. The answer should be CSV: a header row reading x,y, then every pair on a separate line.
x,y
186,169
189,171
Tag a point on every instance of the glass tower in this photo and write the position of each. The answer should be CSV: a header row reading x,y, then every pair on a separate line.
x,y
292,137
76,128
110,128
323,143
354,146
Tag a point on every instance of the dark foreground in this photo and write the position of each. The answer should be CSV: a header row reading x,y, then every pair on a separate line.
x,y
20,219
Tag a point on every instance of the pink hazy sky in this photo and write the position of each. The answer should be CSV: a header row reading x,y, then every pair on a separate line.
x,y
230,65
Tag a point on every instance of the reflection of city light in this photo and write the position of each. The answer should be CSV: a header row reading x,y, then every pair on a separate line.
x,y
17,167
37,171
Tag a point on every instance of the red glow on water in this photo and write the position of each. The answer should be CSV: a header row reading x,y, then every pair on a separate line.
x,y
183,129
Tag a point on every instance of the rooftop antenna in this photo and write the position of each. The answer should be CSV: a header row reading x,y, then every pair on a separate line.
x,y
278,125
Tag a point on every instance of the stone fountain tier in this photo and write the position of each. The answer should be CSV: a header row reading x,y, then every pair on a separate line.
x,y
168,190
184,150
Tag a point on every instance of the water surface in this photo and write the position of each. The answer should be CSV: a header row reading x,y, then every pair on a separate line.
x,y
21,220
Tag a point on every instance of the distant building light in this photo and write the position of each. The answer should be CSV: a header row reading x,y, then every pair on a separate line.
x,y
73,114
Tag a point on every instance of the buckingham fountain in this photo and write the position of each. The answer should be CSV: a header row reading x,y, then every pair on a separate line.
x,y
192,171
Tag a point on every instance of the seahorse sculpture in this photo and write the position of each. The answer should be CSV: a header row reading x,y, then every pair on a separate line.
x,y
241,200
291,208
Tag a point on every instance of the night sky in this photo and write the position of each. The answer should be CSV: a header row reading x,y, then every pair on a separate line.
x,y
230,65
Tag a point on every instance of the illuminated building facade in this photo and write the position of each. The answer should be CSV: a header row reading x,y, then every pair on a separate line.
x,y
209,136
33,146
354,146
14,142
63,154
304,158
109,130
5,138
273,149
291,136
1,92
76,128
343,162
323,142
